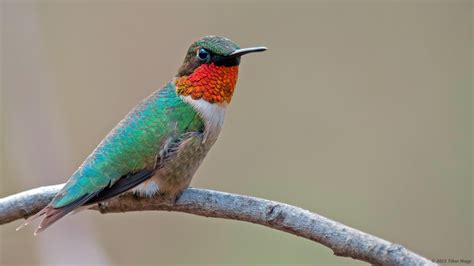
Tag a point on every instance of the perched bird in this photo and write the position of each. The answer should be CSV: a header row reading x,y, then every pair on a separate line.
x,y
160,144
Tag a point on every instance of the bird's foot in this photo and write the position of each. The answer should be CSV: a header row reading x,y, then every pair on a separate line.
x,y
169,199
177,196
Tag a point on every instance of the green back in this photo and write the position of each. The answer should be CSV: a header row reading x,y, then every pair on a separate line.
x,y
133,144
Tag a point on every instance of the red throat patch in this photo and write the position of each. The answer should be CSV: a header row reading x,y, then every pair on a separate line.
x,y
212,83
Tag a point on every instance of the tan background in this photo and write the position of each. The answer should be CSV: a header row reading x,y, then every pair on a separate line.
x,y
359,111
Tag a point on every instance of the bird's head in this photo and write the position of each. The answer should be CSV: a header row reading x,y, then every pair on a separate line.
x,y
210,69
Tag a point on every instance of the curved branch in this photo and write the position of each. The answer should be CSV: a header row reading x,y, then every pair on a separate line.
x,y
343,240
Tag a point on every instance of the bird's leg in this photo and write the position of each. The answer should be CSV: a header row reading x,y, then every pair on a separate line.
x,y
178,195
168,198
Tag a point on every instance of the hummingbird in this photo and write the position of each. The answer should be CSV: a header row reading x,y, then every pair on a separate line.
x,y
160,143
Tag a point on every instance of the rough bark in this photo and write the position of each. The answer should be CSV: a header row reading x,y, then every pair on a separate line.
x,y
343,240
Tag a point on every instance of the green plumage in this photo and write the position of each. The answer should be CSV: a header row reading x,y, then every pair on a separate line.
x,y
158,146
133,145
216,44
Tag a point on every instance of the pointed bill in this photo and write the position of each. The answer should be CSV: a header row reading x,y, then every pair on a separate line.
x,y
240,52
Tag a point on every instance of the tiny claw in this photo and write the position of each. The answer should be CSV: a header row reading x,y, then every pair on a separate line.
x,y
176,197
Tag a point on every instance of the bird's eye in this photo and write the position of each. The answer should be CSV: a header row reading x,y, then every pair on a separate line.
x,y
203,54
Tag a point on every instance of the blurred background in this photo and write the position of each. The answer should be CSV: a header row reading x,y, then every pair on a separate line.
x,y
359,111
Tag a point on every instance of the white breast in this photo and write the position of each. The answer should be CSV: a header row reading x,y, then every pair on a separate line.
x,y
213,115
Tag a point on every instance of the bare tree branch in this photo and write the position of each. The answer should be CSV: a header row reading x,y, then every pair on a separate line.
x,y
343,240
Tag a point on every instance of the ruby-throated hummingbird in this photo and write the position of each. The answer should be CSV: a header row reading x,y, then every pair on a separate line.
x,y
160,144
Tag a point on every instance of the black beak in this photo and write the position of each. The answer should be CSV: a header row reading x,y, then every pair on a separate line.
x,y
243,51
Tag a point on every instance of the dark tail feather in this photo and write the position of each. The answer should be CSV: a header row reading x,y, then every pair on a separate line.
x,y
51,214
124,184
31,218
